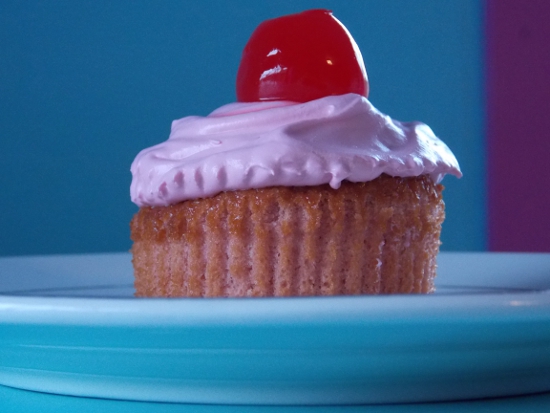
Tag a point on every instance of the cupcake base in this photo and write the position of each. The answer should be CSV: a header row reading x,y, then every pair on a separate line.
x,y
377,237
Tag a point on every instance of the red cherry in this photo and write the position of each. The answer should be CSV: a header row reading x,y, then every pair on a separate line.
x,y
301,57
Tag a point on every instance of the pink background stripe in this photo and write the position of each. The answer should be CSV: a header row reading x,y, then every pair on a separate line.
x,y
518,124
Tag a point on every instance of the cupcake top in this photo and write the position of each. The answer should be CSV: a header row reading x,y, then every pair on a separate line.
x,y
289,127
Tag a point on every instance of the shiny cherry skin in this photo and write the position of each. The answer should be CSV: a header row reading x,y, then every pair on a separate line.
x,y
300,57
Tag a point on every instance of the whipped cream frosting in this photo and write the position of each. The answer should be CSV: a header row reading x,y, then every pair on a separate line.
x,y
261,144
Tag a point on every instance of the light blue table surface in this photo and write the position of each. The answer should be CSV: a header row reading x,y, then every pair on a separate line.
x,y
21,401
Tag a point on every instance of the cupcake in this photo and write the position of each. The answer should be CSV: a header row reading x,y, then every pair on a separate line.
x,y
301,187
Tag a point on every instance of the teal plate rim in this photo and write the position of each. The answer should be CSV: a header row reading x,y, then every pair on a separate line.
x,y
290,351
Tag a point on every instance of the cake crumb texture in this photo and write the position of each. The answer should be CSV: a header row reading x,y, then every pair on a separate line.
x,y
377,237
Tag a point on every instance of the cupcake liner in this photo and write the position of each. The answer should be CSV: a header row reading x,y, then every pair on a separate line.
x,y
377,237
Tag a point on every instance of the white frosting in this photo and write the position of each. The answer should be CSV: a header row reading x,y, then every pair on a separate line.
x,y
261,144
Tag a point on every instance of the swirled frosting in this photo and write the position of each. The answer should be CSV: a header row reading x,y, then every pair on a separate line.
x,y
261,144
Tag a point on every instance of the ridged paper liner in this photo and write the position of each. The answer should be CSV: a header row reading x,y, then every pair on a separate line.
x,y
363,238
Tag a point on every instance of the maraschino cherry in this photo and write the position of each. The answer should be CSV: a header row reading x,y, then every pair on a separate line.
x,y
300,57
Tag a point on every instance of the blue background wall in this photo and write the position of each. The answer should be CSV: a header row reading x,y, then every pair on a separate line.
x,y
85,85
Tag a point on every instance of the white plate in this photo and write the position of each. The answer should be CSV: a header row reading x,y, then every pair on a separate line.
x,y
485,333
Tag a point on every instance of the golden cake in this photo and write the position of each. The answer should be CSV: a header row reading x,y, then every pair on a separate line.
x,y
380,236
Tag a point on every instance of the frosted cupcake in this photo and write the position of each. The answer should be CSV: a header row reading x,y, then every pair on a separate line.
x,y
300,188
